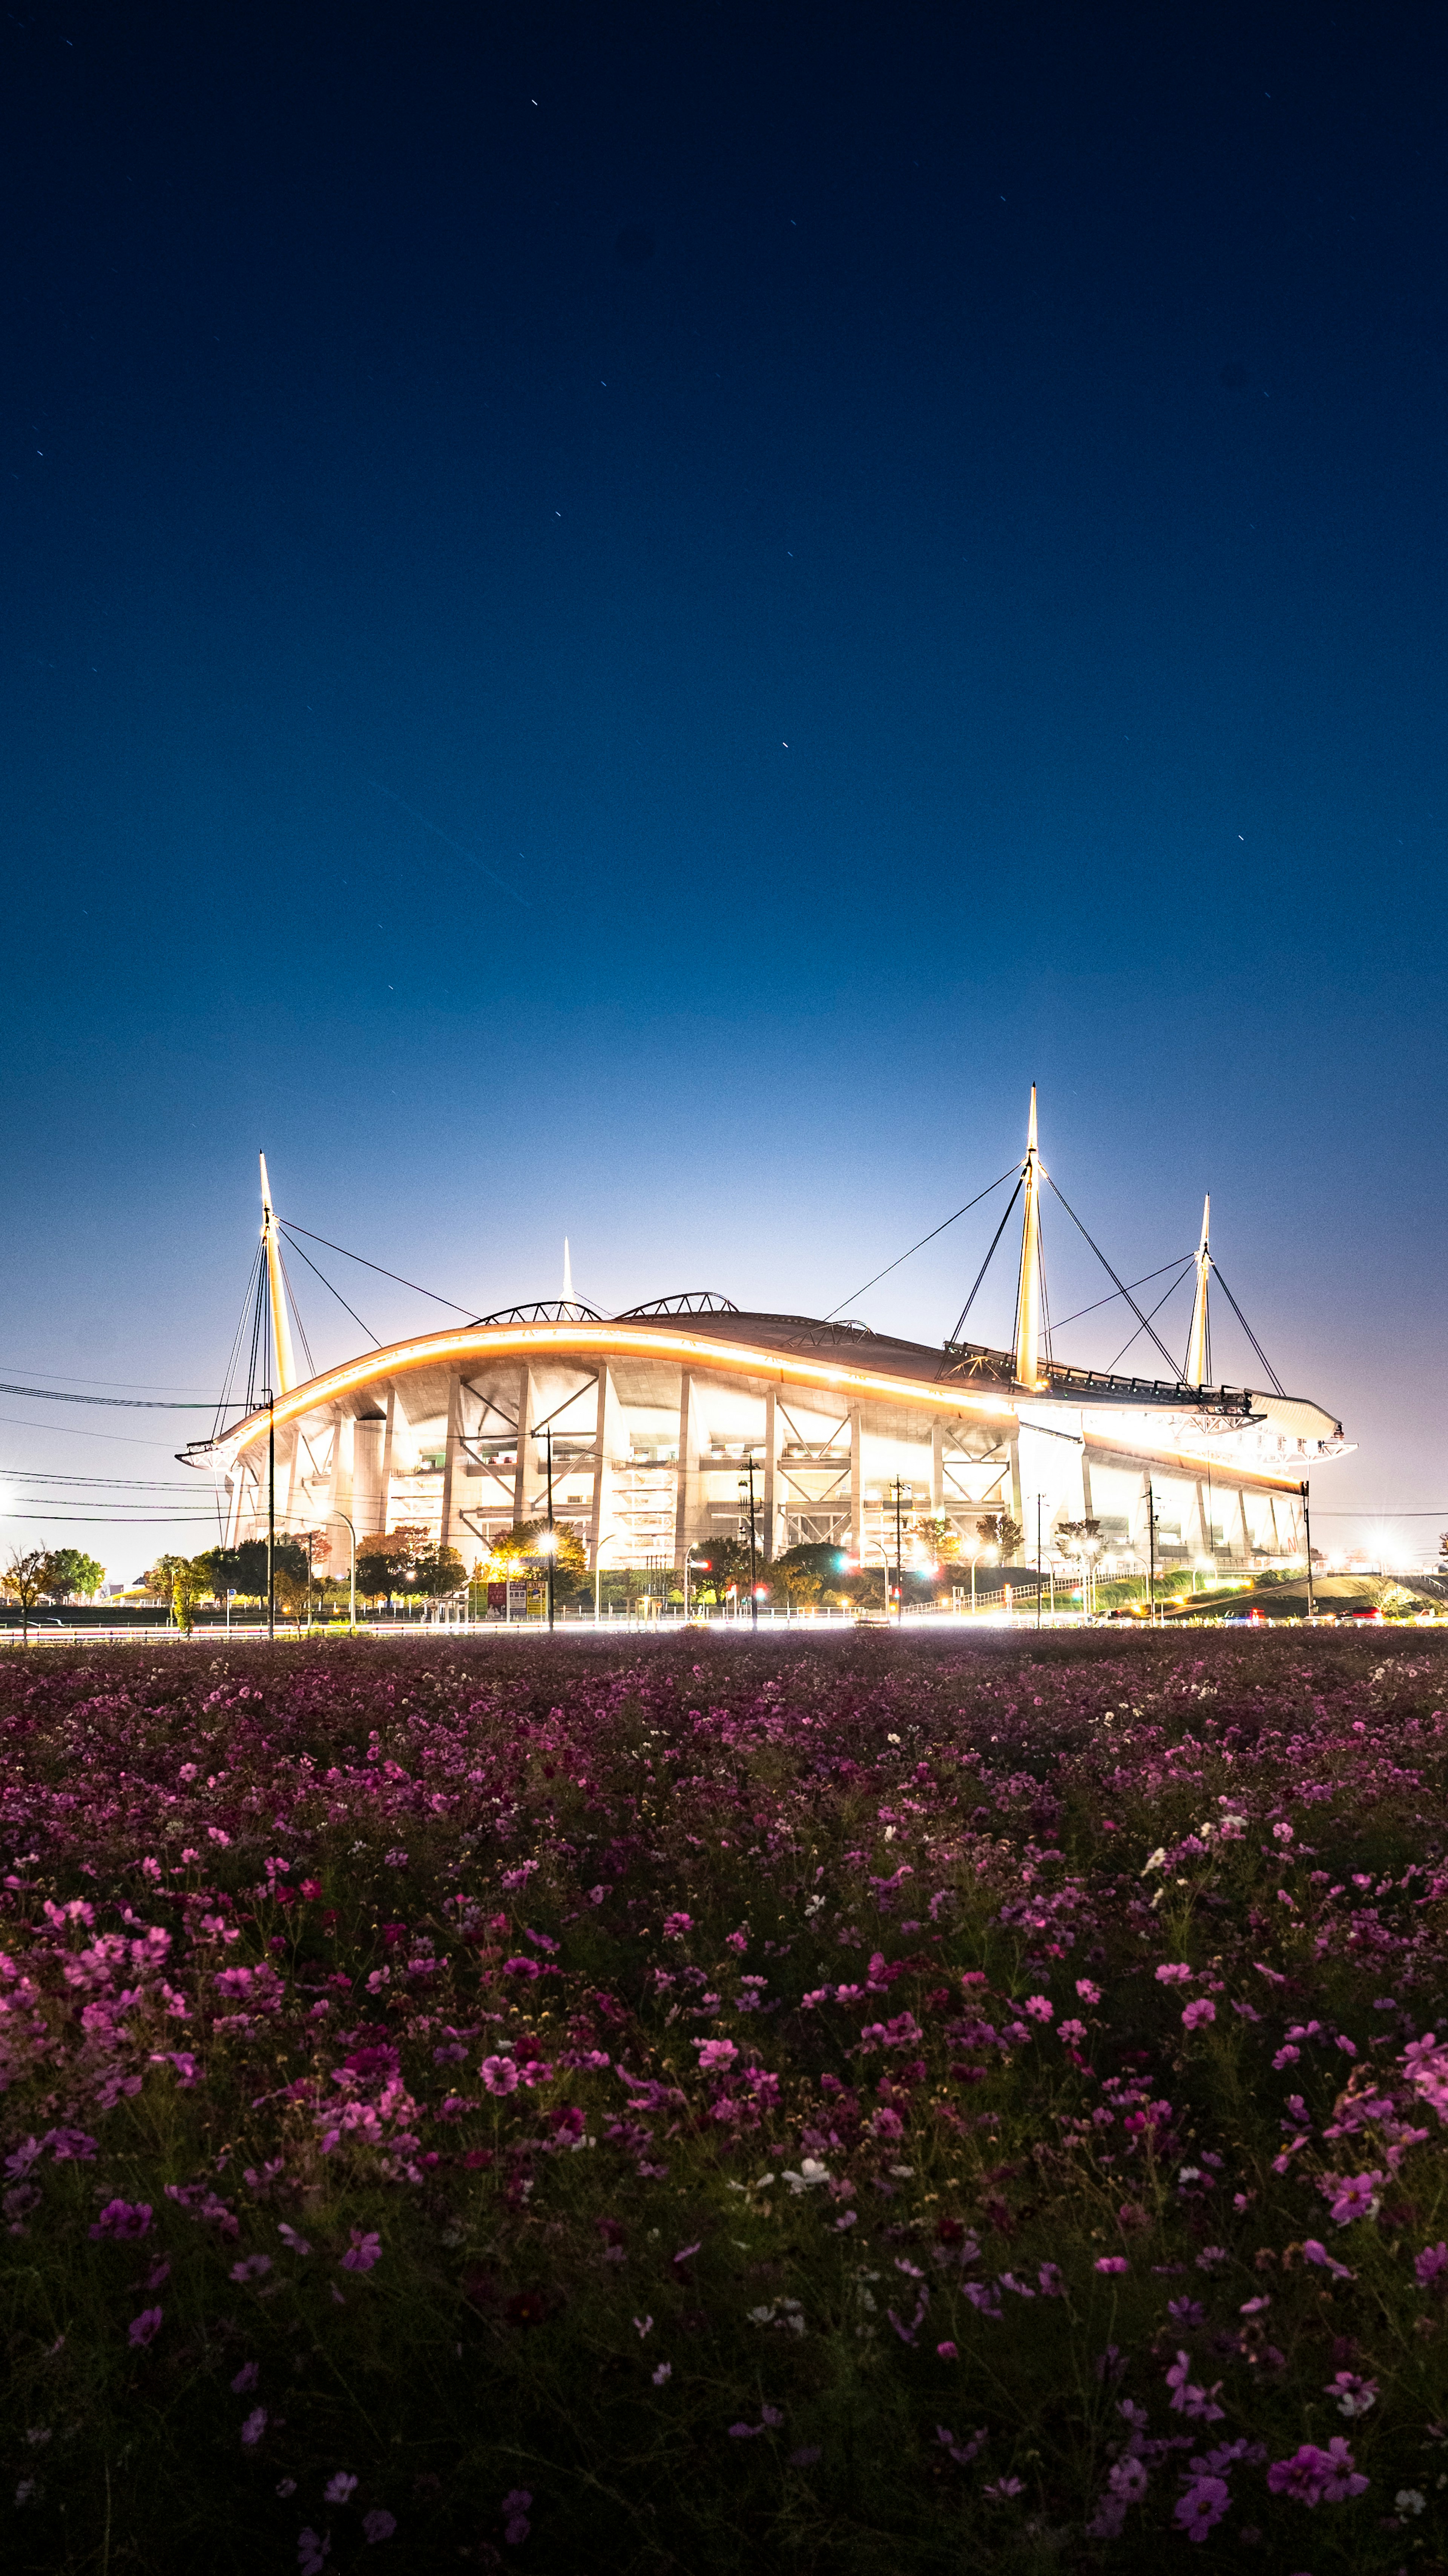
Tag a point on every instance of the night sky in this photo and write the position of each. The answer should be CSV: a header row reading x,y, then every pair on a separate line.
x,y
625,623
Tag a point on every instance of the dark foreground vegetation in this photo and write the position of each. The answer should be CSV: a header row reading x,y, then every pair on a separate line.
x,y
832,2106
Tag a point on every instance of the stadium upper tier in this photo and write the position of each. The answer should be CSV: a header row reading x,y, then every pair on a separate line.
x,y
654,1417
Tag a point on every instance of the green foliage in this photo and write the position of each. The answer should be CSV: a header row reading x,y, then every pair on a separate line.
x,y
68,1571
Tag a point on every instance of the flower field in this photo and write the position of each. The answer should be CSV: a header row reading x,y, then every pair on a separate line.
x,y
871,2105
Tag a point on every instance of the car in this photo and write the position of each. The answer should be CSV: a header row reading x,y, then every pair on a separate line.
x,y
1368,1617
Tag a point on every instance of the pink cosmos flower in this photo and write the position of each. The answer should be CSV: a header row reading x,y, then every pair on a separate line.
x,y
123,2220
1175,1972
379,2524
1128,2479
1354,2396
715,2055
312,2551
676,1925
947,2352
1202,2507
1357,2198
144,2327
1316,2477
1431,2267
1195,2014
253,2268
663,2374
246,2378
1040,2007
254,2427
500,2075
339,2489
516,2525
1089,1992
1073,2032
1111,2263
1001,2490
363,2252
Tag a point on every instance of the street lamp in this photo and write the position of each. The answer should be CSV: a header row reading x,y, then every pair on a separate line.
x,y
746,1490
550,1543
692,1565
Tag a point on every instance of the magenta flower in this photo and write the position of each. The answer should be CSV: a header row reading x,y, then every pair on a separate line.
x,y
379,2524
1202,2507
363,2252
1175,1973
1073,2032
516,2525
123,2220
339,2489
1431,2267
1354,2396
144,2327
1316,2477
253,2268
1357,2198
246,2379
1040,2007
500,2075
676,1925
947,2352
1197,2013
1111,2263
1128,2479
254,2427
715,2055
1088,1990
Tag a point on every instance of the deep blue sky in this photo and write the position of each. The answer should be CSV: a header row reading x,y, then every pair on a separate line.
x,y
897,551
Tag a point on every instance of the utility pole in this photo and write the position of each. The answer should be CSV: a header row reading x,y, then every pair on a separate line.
x,y
1038,1564
753,1554
1307,1523
1151,1545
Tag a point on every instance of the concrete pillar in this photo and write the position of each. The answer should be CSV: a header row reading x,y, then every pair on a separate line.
x,y
773,1481
1087,1509
937,1470
610,1438
384,1505
449,1460
341,1489
1018,1507
688,1519
525,1425
857,1483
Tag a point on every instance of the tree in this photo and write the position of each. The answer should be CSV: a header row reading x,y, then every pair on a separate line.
x,y
190,1583
67,1572
940,1537
514,1550
1079,1540
795,1578
24,1582
721,1566
1001,1533
440,1571
243,1569
385,1561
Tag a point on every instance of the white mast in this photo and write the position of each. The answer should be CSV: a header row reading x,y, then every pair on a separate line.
x,y
1028,1289
286,1375
1199,1339
567,1275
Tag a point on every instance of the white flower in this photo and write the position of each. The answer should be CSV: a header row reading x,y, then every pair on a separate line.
x,y
811,2171
1157,1860
1408,2500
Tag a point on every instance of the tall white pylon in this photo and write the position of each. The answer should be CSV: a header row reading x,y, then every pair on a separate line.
x,y
1028,1287
567,1275
284,1367
1199,1340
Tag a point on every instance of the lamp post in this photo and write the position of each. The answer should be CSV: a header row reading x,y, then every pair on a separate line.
x,y
335,1515
1151,1546
692,1565
1038,1564
746,1490
1307,1526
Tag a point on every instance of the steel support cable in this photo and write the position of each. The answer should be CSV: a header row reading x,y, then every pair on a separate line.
x,y
915,1247
223,1405
1277,1385
990,1256
293,1228
1169,1291
335,1292
1118,1284
296,1311
1094,1309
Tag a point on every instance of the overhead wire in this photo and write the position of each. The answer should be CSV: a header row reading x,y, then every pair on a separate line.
x,y
985,1265
335,1292
1119,1284
1169,1291
1277,1385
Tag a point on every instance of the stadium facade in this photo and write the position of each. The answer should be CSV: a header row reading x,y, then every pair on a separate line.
x,y
655,1417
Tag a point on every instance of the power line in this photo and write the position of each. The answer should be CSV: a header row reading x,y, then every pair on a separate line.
x,y
131,1403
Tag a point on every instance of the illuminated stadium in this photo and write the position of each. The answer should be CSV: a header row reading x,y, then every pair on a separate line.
x,y
649,1423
